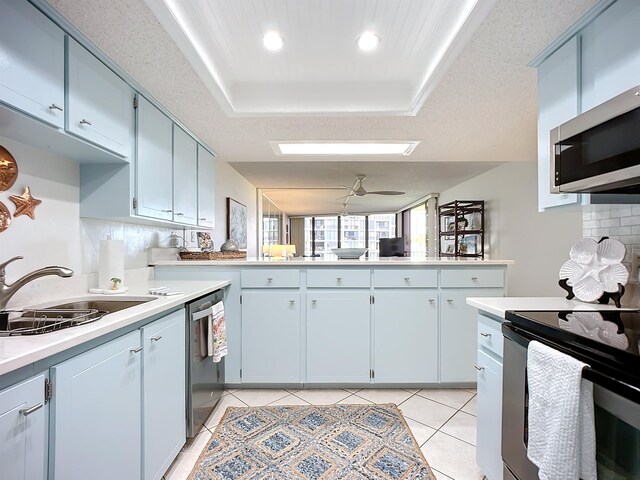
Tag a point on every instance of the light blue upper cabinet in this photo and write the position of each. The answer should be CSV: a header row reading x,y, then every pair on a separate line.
x,y
206,188
611,53
32,66
154,163
185,177
100,104
558,96
23,440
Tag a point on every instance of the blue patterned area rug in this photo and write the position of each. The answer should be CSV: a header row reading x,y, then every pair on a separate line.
x,y
325,442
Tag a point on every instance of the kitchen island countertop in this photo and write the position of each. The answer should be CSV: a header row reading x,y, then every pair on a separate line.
x,y
19,351
319,261
498,306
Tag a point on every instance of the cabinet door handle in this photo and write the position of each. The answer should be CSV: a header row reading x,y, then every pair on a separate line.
x,y
30,410
449,300
166,211
478,368
156,338
179,214
53,106
485,334
291,302
313,302
202,219
85,122
135,350
431,300
475,279
339,279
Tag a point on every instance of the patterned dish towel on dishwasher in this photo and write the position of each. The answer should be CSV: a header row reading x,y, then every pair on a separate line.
x,y
217,333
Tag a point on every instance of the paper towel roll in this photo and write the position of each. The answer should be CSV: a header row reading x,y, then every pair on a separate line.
x,y
110,263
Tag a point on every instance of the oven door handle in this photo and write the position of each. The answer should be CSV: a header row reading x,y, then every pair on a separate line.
x,y
623,389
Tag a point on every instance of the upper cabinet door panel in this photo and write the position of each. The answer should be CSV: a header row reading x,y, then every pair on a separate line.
x,y
185,177
32,62
100,103
610,53
557,102
206,187
154,162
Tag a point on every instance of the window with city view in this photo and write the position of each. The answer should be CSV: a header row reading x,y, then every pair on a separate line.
x,y
355,231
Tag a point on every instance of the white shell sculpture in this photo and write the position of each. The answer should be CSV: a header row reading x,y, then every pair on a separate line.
x,y
595,268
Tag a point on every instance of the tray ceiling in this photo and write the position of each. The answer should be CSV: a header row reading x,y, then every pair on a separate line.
x,y
320,68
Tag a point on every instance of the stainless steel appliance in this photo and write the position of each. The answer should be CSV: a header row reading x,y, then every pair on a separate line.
x,y
599,150
610,348
205,379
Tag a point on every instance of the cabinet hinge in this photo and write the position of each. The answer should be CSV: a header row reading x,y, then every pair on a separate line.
x,y
48,390
372,299
135,203
135,101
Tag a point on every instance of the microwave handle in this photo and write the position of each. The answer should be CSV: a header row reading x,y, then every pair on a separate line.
x,y
554,137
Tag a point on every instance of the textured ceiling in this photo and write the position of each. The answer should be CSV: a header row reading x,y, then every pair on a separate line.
x,y
483,109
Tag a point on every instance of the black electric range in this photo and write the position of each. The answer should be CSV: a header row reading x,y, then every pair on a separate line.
x,y
608,341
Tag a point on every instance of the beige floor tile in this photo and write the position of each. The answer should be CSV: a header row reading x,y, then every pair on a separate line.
x,y
440,475
452,397
462,426
411,390
451,456
380,395
353,390
421,432
257,397
428,412
322,396
354,400
289,400
472,390
216,415
186,459
471,406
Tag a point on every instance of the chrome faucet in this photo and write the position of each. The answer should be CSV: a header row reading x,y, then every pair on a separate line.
x,y
8,291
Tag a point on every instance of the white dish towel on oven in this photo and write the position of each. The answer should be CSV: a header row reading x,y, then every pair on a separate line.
x,y
562,439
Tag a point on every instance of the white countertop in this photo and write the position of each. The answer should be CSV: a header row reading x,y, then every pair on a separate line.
x,y
319,261
499,305
16,352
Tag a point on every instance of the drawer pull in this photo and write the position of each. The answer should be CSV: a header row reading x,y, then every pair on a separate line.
x,y
485,334
475,279
135,350
478,368
407,279
179,214
449,300
291,302
313,302
156,338
339,279
203,219
431,300
269,279
166,211
30,410
85,122
53,106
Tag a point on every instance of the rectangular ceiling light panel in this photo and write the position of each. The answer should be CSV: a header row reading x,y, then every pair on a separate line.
x,y
344,148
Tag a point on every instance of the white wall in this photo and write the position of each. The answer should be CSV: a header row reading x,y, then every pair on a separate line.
x,y
538,242
229,183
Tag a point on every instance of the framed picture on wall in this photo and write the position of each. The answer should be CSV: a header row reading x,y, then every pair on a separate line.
x,y
237,222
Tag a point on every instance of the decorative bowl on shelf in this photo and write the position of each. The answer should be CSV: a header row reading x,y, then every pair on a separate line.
x,y
352,253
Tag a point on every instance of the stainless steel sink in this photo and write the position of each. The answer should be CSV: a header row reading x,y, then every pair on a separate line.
x,y
69,314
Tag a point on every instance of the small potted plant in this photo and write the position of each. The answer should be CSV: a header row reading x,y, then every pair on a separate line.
x,y
115,282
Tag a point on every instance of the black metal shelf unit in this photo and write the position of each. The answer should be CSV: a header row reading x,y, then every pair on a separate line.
x,y
461,229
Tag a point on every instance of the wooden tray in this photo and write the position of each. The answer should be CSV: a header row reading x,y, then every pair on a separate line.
x,y
211,255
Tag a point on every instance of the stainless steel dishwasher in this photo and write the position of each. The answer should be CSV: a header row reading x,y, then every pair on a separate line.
x,y
205,379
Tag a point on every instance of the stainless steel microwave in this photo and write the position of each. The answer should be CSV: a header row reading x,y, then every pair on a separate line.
x,y
599,150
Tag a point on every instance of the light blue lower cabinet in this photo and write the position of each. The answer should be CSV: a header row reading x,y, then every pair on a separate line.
x,y
338,336
96,413
271,336
23,441
489,416
458,333
163,393
406,336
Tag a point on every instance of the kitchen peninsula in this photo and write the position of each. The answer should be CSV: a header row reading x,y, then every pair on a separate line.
x,y
313,321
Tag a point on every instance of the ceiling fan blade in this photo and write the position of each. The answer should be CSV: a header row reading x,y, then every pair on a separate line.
x,y
386,192
346,196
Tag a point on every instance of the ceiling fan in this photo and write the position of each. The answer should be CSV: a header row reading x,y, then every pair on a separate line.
x,y
358,189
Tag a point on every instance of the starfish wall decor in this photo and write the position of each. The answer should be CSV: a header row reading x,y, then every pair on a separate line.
x,y
25,204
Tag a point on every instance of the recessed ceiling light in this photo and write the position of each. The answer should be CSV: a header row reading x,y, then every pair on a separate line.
x,y
368,41
344,148
272,41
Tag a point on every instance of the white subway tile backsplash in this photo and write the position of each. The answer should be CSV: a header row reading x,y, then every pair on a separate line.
x,y
590,224
600,232
635,210
619,212
635,230
635,220
602,214
610,222
615,231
